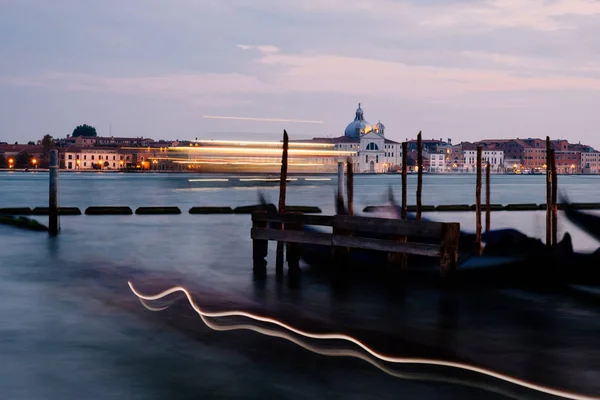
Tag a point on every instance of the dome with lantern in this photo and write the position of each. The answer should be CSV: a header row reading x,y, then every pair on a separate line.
x,y
359,126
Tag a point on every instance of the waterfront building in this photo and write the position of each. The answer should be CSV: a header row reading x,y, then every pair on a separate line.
x,y
439,162
373,152
86,158
590,162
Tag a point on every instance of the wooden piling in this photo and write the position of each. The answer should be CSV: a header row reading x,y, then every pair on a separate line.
x,y
282,190
53,218
340,179
548,193
478,203
488,216
293,250
419,174
260,247
350,186
404,172
283,176
554,198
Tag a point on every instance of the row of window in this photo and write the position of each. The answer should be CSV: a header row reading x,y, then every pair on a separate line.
x,y
70,157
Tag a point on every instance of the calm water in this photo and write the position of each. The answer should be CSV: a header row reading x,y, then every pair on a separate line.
x,y
66,334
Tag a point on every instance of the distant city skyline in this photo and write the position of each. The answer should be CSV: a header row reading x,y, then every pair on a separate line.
x,y
468,70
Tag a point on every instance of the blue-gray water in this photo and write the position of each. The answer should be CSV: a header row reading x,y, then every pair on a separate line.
x,y
61,341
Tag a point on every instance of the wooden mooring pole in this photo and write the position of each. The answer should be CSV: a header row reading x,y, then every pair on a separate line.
x,y
488,217
548,193
282,190
554,198
419,174
53,219
340,178
478,204
403,211
350,186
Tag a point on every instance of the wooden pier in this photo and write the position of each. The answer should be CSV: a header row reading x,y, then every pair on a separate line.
x,y
354,232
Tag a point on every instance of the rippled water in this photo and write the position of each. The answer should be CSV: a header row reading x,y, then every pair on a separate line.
x,y
67,333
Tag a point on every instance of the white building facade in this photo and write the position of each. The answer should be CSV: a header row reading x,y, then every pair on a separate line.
x,y
590,162
374,152
494,157
88,158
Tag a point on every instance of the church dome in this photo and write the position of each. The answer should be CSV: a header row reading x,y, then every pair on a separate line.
x,y
359,126
379,126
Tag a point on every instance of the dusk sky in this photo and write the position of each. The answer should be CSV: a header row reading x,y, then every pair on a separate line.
x,y
462,69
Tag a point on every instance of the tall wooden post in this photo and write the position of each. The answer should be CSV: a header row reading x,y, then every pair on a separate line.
x,y
282,190
350,186
404,172
554,198
478,203
53,221
340,178
488,216
548,193
419,174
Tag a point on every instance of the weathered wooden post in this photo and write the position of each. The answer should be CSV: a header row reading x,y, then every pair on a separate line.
x,y
340,178
419,174
548,193
488,216
293,250
53,219
350,186
404,172
449,248
260,248
281,208
478,204
554,198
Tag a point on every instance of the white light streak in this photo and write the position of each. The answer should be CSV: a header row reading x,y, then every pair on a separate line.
x,y
317,179
209,180
347,338
338,353
301,121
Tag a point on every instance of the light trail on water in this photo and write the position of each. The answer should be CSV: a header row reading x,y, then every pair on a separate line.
x,y
339,336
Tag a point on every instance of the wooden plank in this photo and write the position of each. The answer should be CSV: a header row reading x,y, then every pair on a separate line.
x,y
291,236
320,220
421,229
422,249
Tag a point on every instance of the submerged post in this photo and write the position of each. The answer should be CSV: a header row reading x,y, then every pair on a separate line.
x,y
53,222
340,179
282,190
554,198
404,171
488,216
419,174
548,193
350,186
478,203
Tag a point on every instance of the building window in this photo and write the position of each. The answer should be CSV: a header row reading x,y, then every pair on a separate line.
x,y
376,159
70,157
372,146
92,157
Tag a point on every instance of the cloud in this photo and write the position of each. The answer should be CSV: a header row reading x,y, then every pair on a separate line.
x,y
322,73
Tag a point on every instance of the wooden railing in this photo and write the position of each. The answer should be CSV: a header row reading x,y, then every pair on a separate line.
x,y
425,238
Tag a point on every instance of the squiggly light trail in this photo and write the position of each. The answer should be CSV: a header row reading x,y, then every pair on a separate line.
x,y
380,356
342,353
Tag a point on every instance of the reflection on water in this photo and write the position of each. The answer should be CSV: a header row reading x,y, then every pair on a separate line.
x,y
71,327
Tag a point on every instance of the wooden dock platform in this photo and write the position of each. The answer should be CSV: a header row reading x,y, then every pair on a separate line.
x,y
392,236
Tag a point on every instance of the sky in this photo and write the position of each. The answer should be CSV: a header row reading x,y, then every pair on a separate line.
x,y
460,69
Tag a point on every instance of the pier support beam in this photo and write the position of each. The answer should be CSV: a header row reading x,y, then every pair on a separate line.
x,y
53,219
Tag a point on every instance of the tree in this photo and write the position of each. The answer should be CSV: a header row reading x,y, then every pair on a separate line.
x,y
2,161
48,143
84,130
23,159
31,143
